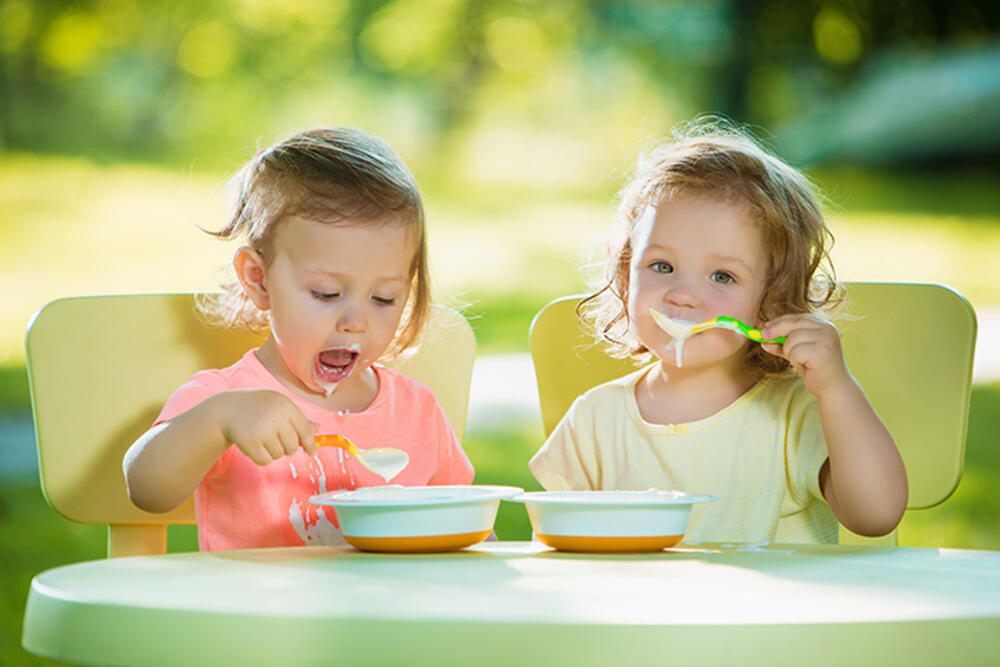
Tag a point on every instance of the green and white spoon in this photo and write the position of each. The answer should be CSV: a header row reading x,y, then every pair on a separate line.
x,y
681,330
733,324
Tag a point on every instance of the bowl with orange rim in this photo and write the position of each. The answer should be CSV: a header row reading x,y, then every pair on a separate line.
x,y
609,521
416,519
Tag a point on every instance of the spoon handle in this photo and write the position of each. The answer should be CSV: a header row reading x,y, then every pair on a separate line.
x,y
733,324
331,440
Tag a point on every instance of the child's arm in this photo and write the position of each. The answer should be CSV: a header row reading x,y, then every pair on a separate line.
x,y
167,462
864,480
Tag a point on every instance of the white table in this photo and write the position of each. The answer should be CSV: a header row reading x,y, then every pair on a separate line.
x,y
518,603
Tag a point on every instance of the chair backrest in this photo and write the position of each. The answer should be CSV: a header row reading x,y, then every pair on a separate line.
x,y
910,346
100,368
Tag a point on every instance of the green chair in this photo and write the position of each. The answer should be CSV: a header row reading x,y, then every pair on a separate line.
x,y
100,368
909,345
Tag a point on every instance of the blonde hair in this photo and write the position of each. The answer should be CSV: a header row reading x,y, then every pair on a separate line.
x,y
715,158
329,175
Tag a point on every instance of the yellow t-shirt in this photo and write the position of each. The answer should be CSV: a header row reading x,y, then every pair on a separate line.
x,y
759,457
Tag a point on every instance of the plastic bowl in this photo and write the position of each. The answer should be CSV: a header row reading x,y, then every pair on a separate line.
x,y
416,518
609,521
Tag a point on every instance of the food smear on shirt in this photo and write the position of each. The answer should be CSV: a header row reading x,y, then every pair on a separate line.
x,y
291,467
322,530
678,330
322,474
319,532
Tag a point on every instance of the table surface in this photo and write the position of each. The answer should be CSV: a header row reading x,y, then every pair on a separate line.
x,y
520,603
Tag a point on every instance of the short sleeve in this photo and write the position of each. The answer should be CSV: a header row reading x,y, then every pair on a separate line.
x,y
454,466
805,448
202,385
567,462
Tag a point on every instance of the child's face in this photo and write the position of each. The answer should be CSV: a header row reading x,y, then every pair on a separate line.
x,y
695,258
335,294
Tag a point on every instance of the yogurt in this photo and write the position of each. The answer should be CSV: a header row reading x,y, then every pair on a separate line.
x,y
678,330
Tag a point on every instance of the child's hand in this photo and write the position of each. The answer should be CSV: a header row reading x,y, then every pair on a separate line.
x,y
812,346
264,424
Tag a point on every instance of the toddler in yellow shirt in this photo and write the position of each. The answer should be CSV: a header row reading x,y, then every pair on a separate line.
x,y
781,434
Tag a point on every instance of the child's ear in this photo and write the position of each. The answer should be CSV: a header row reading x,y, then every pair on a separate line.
x,y
251,271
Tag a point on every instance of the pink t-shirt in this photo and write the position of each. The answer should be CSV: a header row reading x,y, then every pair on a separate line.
x,y
241,505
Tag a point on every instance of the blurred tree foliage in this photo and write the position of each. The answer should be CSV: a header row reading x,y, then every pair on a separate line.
x,y
153,79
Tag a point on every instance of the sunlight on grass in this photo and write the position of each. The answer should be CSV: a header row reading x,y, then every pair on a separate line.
x,y
919,248
74,228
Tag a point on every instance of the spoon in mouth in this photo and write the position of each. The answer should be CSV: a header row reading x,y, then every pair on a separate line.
x,y
681,329
386,462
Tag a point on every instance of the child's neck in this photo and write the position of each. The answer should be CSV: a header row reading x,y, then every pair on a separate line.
x,y
354,394
669,395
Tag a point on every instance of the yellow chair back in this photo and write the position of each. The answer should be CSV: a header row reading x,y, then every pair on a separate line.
x,y
909,345
100,368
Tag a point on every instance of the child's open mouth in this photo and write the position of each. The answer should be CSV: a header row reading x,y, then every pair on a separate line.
x,y
335,364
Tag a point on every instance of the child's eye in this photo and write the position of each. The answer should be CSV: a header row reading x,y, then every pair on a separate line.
x,y
382,301
661,267
723,277
325,296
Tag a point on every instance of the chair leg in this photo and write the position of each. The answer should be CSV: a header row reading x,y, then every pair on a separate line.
x,y
136,539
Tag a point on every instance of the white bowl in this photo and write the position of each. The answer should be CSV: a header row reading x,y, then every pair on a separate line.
x,y
609,521
416,518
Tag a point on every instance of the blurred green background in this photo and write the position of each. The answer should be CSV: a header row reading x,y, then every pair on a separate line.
x,y
121,119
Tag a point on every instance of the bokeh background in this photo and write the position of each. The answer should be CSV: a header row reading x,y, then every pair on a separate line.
x,y
121,119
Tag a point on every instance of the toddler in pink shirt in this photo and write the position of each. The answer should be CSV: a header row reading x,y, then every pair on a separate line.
x,y
334,268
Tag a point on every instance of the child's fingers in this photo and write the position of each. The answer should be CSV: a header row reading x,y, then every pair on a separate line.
x,y
788,324
274,447
289,440
258,453
305,431
773,348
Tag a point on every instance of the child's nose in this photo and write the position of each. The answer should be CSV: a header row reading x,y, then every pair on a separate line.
x,y
352,319
682,294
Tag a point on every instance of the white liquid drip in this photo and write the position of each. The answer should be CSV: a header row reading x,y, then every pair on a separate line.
x,y
678,330
322,475
678,345
291,466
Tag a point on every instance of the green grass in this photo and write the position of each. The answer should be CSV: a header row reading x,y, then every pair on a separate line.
x,y
971,517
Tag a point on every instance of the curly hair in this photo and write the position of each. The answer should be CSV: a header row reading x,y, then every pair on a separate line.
x,y
714,158
333,176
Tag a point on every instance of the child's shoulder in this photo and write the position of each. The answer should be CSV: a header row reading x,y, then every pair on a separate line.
x,y
616,390
246,373
398,385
